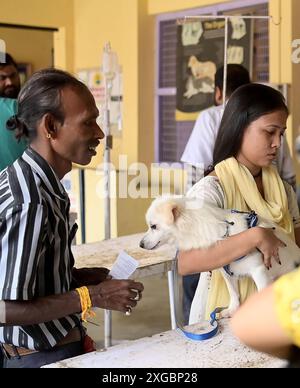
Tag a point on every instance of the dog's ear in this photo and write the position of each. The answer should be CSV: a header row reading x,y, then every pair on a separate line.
x,y
170,212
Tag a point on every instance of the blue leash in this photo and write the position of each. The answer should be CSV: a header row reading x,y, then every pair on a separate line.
x,y
206,334
252,220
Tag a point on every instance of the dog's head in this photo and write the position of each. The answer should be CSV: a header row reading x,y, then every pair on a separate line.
x,y
161,218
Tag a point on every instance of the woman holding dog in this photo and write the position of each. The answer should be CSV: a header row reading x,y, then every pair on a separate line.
x,y
244,179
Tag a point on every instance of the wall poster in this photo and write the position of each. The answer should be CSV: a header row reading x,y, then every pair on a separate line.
x,y
200,51
94,80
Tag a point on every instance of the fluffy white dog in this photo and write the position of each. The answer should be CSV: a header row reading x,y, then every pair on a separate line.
x,y
188,224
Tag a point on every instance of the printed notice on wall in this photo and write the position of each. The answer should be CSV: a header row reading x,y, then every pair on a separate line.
x,y
200,51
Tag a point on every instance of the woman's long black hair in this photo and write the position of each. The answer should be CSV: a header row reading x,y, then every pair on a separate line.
x,y
247,104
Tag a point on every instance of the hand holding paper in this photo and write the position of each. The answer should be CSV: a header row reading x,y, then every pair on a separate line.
x,y
124,266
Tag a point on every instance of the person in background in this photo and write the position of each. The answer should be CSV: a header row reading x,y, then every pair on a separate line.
x,y
10,83
43,297
10,147
199,150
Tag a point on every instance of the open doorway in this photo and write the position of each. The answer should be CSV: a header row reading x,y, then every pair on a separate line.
x,y
31,47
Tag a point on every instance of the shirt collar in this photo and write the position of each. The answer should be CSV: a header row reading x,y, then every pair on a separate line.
x,y
45,172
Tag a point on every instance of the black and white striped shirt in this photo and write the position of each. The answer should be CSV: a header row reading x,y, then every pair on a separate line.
x,y
35,246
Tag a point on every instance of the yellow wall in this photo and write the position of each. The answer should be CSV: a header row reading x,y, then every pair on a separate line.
x,y
275,41
282,70
116,21
161,6
43,13
146,66
295,77
29,46
129,29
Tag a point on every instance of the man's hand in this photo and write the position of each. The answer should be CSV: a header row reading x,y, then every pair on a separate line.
x,y
116,295
88,276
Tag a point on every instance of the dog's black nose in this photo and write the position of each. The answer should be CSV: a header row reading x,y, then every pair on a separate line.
x,y
142,244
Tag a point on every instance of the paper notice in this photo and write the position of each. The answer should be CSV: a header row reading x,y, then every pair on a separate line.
x,y
191,33
235,54
124,266
239,29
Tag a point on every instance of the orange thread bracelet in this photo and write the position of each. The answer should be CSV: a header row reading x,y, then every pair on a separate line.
x,y
86,303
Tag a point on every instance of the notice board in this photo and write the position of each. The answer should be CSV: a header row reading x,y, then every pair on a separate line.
x,y
200,51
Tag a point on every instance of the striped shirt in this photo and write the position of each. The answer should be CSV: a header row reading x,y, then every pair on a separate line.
x,y
35,246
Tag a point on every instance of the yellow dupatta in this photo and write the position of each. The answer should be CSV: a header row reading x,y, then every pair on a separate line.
x,y
241,193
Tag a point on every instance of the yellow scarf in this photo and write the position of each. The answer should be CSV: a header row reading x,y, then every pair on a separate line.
x,y
241,193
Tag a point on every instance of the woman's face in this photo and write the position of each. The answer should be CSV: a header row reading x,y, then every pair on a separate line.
x,y
262,140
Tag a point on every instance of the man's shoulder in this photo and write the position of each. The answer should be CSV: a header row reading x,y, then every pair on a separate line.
x,y
209,118
213,111
8,107
212,114
23,184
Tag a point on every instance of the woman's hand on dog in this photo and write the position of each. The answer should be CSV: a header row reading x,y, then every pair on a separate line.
x,y
116,294
268,244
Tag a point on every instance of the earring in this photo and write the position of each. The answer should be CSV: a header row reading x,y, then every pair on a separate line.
x,y
48,136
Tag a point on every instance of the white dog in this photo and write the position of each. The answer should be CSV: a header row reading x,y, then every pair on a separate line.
x,y
190,225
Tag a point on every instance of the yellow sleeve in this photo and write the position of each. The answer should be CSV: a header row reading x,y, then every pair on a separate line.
x,y
287,304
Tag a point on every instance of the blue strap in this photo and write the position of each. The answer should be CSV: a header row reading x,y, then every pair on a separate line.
x,y
251,218
208,334
227,269
252,221
213,322
201,337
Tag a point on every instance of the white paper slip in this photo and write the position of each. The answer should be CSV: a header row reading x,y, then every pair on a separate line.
x,y
124,266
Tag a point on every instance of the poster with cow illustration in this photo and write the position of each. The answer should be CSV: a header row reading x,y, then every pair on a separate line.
x,y
200,51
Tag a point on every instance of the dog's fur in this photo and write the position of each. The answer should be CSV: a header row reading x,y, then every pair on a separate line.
x,y
188,224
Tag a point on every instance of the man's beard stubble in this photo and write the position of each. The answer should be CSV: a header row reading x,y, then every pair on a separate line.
x,y
10,92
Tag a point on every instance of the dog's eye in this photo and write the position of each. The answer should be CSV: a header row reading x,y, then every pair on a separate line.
x,y
153,227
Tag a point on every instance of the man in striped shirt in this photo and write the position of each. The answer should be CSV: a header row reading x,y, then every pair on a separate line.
x,y
39,306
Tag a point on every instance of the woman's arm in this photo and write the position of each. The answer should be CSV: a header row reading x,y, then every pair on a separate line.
x,y
228,250
256,324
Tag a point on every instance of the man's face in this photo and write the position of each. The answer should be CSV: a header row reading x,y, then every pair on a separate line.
x,y
9,82
79,135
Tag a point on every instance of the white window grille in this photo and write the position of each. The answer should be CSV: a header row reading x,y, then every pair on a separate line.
x,y
170,135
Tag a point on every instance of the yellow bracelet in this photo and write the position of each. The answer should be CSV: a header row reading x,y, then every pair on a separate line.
x,y
86,303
